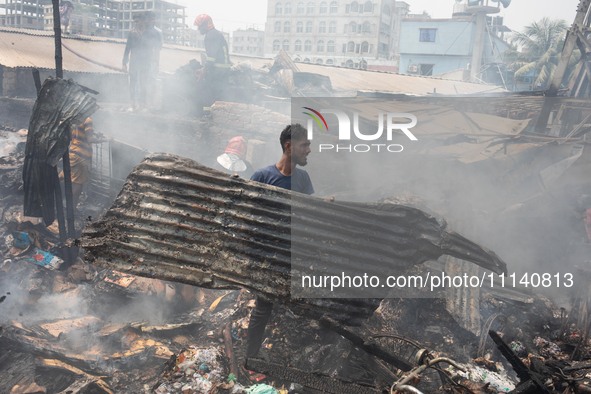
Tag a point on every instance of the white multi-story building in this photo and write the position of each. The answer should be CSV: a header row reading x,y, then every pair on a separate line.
x,y
20,13
248,42
359,34
109,18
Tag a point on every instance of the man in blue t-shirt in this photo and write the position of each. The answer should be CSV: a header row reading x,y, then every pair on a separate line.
x,y
296,148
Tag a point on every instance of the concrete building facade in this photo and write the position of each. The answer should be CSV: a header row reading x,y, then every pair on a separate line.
x,y
249,42
27,14
356,34
106,18
445,47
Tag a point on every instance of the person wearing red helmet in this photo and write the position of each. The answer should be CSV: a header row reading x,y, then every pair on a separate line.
x,y
217,61
233,160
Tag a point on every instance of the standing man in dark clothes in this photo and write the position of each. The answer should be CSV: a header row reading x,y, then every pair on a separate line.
x,y
141,51
153,38
296,147
217,62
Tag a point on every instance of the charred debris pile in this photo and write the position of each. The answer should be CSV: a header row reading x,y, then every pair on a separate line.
x,y
92,329
159,302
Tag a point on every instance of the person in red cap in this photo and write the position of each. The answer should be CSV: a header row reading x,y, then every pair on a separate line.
x,y
233,160
217,61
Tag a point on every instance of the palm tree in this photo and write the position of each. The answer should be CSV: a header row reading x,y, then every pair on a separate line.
x,y
540,44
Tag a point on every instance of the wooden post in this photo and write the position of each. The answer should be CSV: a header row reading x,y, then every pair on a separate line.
x,y
57,28
59,73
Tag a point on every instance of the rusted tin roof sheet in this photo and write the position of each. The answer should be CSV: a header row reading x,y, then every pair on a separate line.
x,y
18,49
35,48
178,220
347,79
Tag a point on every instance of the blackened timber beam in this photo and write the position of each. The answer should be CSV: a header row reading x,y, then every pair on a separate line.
x,y
367,345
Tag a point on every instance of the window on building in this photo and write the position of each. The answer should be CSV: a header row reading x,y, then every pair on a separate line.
x,y
285,45
320,46
309,27
366,27
350,46
386,9
308,46
299,27
368,6
300,8
354,7
323,7
426,69
332,27
318,61
334,7
278,9
276,46
277,27
365,47
298,45
322,27
329,61
349,63
427,35
307,60
330,46
351,28
287,8
310,8
287,27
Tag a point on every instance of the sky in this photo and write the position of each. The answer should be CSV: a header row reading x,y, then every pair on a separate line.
x,y
229,15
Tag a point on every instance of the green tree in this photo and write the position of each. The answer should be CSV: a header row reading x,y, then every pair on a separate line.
x,y
539,46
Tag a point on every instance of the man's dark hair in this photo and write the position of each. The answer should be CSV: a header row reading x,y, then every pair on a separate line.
x,y
292,131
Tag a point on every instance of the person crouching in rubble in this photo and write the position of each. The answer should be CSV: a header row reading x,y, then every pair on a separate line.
x,y
233,160
285,174
81,156
216,67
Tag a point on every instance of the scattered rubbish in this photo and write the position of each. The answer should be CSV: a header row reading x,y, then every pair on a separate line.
x,y
262,389
120,278
21,239
45,259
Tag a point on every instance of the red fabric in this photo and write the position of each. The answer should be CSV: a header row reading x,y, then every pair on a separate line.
x,y
236,146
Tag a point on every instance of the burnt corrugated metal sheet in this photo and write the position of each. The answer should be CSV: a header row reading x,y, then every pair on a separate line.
x,y
178,220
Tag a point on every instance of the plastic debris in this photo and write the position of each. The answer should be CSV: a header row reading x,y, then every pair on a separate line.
x,y
546,348
261,389
21,239
496,381
45,259
518,348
